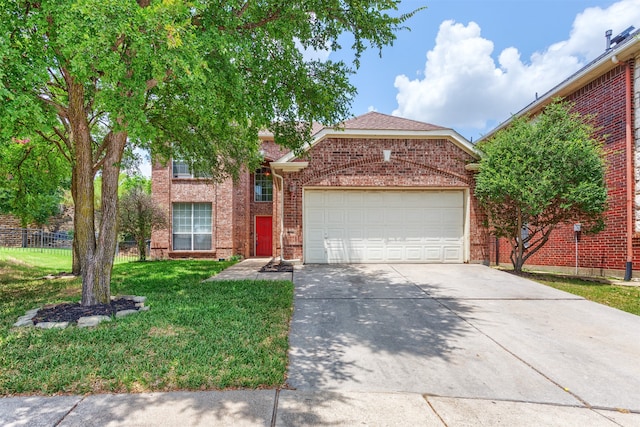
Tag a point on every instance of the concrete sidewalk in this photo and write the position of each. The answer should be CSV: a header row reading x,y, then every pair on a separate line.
x,y
404,346
293,408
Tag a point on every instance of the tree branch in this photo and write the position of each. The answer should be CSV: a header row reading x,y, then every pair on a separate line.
x,y
242,10
60,110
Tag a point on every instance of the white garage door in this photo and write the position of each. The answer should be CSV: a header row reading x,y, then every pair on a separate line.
x,y
368,226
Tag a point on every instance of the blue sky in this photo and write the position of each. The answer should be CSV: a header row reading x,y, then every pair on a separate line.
x,y
487,59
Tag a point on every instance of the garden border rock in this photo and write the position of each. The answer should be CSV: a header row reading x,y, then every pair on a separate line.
x,y
85,321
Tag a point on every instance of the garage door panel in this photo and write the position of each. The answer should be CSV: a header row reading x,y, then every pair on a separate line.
x,y
336,216
374,254
355,216
395,254
452,254
413,216
315,217
414,253
374,216
383,226
433,254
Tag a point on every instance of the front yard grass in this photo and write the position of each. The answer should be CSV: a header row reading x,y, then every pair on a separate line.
x,y
625,298
196,336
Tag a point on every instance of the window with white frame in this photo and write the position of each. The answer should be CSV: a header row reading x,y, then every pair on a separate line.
x,y
182,170
191,226
263,185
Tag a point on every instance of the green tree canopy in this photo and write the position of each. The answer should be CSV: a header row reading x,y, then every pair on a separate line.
x,y
539,173
33,178
188,79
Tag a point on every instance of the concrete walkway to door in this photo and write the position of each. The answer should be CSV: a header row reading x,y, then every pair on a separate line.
x,y
481,346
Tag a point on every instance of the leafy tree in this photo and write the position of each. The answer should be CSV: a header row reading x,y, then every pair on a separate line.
x,y
32,181
539,173
186,79
138,213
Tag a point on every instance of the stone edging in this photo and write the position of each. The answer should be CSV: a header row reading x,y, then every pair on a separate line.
x,y
83,322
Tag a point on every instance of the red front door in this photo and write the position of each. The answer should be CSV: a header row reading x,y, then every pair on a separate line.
x,y
264,236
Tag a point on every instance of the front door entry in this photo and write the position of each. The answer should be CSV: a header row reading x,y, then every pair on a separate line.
x,y
264,236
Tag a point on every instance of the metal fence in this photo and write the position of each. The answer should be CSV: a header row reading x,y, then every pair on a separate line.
x,y
60,242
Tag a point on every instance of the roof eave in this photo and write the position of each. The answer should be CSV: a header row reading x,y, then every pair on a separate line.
x,y
288,166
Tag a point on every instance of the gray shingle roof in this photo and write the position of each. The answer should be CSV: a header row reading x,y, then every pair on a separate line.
x,y
378,121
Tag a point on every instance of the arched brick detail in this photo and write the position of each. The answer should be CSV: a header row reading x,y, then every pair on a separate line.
x,y
318,175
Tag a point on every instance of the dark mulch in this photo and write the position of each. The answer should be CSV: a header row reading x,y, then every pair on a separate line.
x,y
71,312
273,267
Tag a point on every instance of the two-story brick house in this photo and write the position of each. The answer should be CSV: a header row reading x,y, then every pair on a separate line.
x,y
381,189
609,89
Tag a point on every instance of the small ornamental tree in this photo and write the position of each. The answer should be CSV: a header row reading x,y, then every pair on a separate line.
x,y
539,173
139,215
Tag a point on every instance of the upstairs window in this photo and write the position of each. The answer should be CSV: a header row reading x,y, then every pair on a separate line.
x,y
263,185
181,170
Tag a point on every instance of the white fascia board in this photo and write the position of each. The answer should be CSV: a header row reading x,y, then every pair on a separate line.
x,y
449,134
288,166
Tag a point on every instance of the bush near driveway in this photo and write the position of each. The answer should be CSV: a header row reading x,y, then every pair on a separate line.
x,y
196,336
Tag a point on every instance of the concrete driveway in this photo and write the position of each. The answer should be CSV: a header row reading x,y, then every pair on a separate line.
x,y
459,331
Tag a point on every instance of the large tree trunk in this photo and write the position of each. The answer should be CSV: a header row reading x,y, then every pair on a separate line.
x,y
83,193
95,251
108,237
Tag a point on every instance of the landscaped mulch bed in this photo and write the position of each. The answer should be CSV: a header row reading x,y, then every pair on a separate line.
x,y
71,312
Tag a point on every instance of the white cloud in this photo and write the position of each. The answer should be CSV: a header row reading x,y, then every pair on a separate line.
x,y
371,108
463,87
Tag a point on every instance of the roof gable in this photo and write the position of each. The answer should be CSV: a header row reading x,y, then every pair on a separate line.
x,y
378,125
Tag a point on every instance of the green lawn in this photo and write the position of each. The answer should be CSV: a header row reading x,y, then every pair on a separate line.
x,y
197,335
626,298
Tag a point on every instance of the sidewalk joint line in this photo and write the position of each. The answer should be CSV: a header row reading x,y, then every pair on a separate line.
x,y
274,414
426,398
69,411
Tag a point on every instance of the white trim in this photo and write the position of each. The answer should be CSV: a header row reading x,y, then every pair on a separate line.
x,y
467,225
289,166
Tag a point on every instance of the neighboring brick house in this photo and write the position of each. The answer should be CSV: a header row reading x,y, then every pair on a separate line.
x,y
381,189
608,88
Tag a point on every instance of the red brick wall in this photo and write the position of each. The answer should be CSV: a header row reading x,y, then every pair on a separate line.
x,y
604,253
233,209
357,162
167,190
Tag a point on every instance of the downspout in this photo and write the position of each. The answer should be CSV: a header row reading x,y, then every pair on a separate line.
x,y
629,160
281,216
